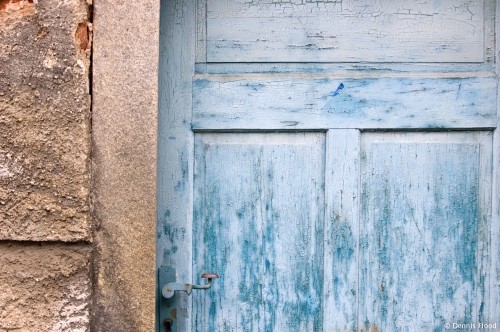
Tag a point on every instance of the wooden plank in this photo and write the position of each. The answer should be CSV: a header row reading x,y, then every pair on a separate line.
x,y
424,241
493,278
258,222
341,230
494,275
309,102
175,146
346,31
201,31
489,30
352,70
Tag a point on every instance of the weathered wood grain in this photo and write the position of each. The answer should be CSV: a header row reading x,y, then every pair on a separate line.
x,y
175,147
493,278
494,275
201,31
309,102
352,70
348,31
341,230
258,222
424,229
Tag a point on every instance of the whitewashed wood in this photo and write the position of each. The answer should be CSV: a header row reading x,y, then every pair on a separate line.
x,y
352,70
424,245
258,222
490,7
306,102
297,96
347,31
494,275
201,31
175,147
341,230
494,236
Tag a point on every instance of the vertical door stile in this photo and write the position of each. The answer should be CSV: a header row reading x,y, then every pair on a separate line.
x,y
341,229
175,149
484,227
494,272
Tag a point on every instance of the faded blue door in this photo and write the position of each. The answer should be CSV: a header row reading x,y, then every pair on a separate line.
x,y
335,162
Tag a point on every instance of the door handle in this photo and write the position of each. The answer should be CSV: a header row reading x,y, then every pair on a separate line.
x,y
170,288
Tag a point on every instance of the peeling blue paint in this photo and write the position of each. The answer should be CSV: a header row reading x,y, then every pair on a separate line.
x,y
384,102
426,244
343,250
336,92
254,213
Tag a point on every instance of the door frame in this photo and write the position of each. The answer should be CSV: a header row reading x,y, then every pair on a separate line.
x,y
123,162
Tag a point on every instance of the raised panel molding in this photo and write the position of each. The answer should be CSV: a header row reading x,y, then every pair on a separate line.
x,y
425,220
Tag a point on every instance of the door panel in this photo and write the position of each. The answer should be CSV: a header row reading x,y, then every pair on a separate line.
x,y
423,229
258,221
345,30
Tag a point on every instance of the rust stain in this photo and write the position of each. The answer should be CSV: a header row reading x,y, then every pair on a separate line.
x,y
82,36
173,313
3,4
10,9
382,287
373,329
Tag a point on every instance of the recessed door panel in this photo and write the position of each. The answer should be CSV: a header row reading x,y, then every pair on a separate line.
x,y
346,31
423,229
258,222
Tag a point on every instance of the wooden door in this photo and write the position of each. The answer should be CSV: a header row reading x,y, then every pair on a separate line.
x,y
335,162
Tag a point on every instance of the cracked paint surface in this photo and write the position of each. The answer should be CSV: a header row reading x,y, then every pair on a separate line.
x,y
348,30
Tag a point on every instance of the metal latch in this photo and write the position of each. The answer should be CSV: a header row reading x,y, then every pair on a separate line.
x,y
170,305
169,289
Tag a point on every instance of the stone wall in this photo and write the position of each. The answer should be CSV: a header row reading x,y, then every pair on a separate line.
x,y
78,192
45,219
124,136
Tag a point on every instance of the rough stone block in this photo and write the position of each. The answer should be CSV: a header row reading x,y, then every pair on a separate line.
x,y
44,287
44,120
